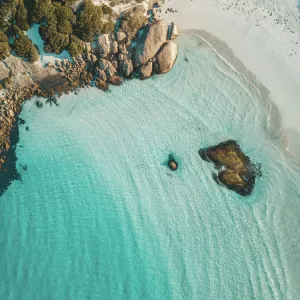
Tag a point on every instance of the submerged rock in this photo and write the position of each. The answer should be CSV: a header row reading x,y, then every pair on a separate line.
x,y
165,58
237,173
173,165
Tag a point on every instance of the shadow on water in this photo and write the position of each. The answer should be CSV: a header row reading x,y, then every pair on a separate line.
x,y
10,173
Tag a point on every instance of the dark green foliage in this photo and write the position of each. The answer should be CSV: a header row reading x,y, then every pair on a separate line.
x,y
42,10
107,10
21,17
4,50
75,47
24,47
7,13
3,37
58,28
108,27
64,18
89,21
4,47
54,41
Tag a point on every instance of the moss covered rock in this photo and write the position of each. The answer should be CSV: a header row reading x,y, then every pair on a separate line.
x,y
237,172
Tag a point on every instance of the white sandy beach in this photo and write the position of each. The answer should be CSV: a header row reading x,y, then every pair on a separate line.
x,y
264,36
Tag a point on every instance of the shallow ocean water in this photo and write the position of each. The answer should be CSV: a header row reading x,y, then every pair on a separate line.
x,y
98,215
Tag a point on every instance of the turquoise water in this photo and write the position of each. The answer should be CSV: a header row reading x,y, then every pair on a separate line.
x,y
98,215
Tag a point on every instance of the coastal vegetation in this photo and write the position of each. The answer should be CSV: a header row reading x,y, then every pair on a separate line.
x,y
100,57
4,46
63,25
23,45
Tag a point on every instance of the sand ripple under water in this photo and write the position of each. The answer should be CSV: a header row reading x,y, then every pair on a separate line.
x,y
98,215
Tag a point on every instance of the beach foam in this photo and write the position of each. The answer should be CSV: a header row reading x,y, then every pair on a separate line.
x,y
264,36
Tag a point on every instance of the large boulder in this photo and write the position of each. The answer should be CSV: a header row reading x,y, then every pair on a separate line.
x,y
126,66
115,80
4,72
173,31
105,44
145,71
154,36
165,58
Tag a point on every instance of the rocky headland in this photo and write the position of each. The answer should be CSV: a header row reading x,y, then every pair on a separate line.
x,y
127,52
237,172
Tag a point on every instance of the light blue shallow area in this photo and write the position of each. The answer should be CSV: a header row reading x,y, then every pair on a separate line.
x,y
98,215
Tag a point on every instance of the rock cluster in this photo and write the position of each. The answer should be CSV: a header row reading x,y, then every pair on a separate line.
x,y
237,173
113,57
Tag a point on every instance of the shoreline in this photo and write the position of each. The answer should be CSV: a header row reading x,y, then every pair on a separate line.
x,y
113,58
262,48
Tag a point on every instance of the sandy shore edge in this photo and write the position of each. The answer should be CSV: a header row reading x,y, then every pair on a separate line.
x,y
260,53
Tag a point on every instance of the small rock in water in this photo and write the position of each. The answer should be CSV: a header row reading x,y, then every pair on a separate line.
x,y
173,165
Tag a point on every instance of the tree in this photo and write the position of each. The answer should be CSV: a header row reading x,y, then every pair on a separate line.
x,y
108,27
22,17
7,13
64,19
4,50
24,47
33,54
42,10
107,10
4,47
89,21
75,47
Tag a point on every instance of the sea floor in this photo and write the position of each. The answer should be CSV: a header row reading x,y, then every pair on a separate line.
x,y
98,214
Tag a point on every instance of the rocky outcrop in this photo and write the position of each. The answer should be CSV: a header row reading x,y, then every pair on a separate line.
x,y
145,71
114,56
106,45
102,85
237,173
115,80
165,58
173,31
173,165
126,65
4,71
154,36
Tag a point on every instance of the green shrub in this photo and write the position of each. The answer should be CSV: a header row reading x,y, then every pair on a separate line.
x,y
7,13
107,10
24,47
89,21
42,10
75,47
3,37
108,27
21,16
4,50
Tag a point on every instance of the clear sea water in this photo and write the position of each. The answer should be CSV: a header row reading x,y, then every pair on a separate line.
x,y
98,215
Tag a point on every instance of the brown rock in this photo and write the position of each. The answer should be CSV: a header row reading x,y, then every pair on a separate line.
x,y
154,36
115,80
165,58
145,71
102,85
